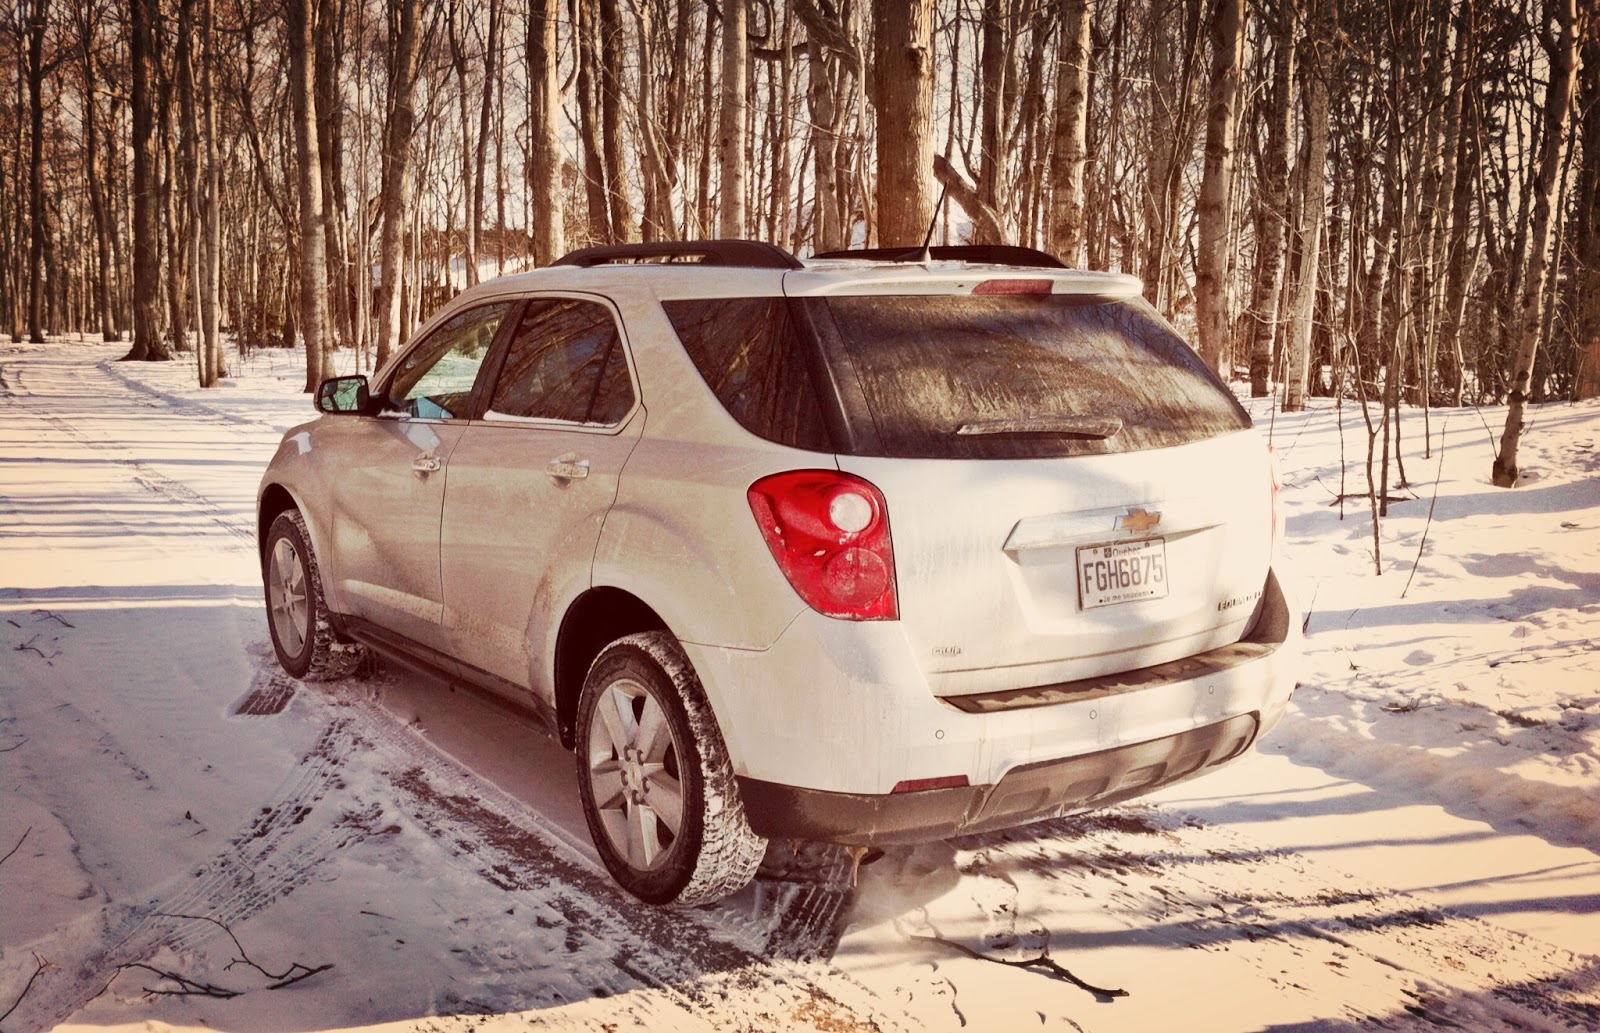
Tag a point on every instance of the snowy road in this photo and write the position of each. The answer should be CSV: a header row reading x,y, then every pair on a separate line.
x,y
1415,848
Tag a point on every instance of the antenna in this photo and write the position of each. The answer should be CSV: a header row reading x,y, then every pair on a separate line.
x,y
927,253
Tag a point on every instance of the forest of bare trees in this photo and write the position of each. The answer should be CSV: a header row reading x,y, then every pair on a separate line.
x,y
1395,199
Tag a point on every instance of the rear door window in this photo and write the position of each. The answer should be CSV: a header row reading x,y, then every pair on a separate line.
x,y
1024,376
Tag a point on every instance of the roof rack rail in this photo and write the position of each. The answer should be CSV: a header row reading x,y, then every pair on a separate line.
x,y
982,254
746,253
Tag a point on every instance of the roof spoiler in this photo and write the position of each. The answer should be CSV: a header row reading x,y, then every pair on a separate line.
x,y
978,254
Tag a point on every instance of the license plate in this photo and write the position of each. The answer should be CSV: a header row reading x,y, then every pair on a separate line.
x,y
1122,572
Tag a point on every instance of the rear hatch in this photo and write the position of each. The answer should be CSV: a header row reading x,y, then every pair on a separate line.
x,y
1071,493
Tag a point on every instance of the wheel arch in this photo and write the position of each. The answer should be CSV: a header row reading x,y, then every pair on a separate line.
x,y
275,499
595,619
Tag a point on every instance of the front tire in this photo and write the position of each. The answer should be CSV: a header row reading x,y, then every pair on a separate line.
x,y
296,614
658,791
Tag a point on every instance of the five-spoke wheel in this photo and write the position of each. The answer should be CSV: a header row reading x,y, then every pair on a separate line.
x,y
658,790
295,614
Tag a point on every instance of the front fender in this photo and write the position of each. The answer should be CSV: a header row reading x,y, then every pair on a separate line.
x,y
293,473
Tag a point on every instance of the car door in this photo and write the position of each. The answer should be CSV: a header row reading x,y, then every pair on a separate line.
x,y
530,484
387,477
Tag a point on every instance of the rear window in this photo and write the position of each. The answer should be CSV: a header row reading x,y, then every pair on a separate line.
x,y
1025,376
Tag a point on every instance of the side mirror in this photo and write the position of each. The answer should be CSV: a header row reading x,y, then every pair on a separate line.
x,y
344,395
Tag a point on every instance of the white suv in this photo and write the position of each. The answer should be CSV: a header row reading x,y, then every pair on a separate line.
x,y
874,548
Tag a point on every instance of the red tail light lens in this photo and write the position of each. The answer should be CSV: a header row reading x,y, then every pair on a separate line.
x,y
829,532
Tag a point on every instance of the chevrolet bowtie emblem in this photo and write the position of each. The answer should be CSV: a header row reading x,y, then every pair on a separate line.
x,y
1138,520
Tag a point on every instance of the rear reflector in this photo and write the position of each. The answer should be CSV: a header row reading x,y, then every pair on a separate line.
x,y
917,785
1013,287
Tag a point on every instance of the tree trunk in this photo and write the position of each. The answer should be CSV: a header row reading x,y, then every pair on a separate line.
x,y
544,159
1312,213
188,190
654,167
1211,277
1586,234
617,200
209,287
330,148
1463,191
994,60
95,176
902,93
594,169
308,171
38,20
1273,205
147,341
1530,310
735,107
398,130
458,61
491,76
1069,153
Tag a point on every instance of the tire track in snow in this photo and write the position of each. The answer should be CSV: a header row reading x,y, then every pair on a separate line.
x,y
293,834
142,472
692,959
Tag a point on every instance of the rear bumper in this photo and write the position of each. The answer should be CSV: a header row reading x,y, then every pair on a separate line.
x,y
1033,792
821,727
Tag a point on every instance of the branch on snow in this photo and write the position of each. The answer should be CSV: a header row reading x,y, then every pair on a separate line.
x,y
14,849
187,987
1043,962
39,966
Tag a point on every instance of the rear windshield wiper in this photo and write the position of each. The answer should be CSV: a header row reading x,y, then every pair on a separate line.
x,y
1100,427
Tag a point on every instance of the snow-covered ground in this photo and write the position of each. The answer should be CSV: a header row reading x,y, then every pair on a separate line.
x,y
1418,844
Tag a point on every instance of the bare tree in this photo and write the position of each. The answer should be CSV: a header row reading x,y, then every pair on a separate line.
x,y
395,190
147,341
313,300
38,230
93,172
1586,209
491,75
1273,202
456,23
1313,212
1214,210
1562,51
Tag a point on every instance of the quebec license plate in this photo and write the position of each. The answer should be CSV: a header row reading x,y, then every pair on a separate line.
x,y
1122,572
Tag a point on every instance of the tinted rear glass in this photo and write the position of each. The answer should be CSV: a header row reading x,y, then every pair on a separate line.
x,y
1023,376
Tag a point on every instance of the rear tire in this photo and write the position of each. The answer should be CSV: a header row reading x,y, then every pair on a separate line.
x,y
296,614
658,791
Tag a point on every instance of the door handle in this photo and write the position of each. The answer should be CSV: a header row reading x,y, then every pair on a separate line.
x,y
567,468
426,464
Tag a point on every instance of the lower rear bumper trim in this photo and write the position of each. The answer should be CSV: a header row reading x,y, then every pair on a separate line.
x,y
1032,792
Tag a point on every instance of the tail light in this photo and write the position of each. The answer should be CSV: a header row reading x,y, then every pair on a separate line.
x,y
829,532
1278,526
